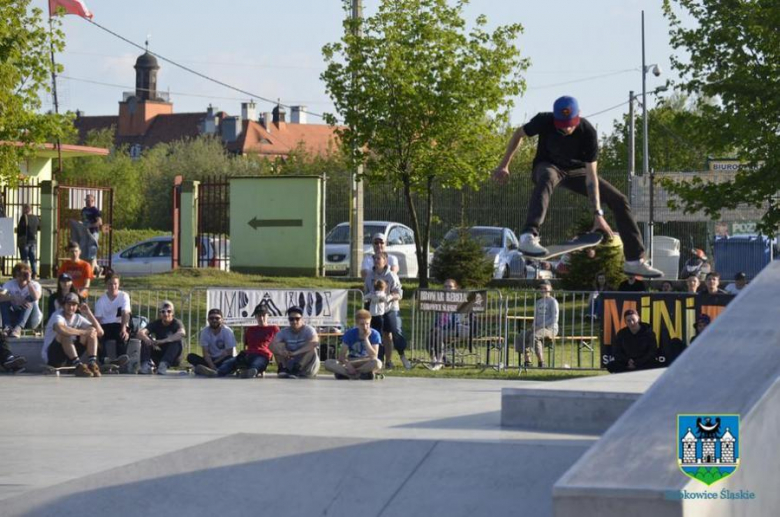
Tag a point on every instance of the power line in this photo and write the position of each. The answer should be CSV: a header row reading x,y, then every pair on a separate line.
x,y
245,64
591,78
608,109
195,72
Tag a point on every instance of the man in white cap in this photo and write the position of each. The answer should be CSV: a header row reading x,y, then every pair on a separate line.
x,y
162,341
379,243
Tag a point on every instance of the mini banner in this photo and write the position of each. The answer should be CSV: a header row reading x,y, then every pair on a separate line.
x,y
321,307
462,302
671,316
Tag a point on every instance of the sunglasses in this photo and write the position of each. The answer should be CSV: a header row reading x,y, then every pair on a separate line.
x,y
294,318
379,242
215,318
166,311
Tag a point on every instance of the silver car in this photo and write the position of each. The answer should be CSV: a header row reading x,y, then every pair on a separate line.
x,y
153,256
500,245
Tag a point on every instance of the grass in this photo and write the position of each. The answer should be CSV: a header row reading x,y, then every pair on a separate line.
x,y
187,279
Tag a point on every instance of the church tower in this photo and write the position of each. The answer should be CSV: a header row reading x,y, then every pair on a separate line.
x,y
137,111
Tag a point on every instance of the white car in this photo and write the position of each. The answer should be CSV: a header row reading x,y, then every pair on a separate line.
x,y
399,243
153,256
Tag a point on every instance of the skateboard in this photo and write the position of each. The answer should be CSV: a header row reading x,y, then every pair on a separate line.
x,y
581,242
110,369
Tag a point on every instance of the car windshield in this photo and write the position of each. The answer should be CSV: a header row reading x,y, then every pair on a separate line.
x,y
340,233
486,237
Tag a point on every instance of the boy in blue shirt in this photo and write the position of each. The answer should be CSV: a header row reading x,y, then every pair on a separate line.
x,y
358,354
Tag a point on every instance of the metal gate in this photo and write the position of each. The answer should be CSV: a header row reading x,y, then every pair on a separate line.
x,y
70,201
213,238
14,198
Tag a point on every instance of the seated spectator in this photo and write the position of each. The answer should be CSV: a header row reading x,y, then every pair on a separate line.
x,y
295,348
21,311
446,327
740,281
545,325
634,346
595,302
667,287
79,270
69,335
378,242
161,341
64,286
712,283
112,310
357,357
702,322
389,324
254,359
692,284
219,347
8,361
633,284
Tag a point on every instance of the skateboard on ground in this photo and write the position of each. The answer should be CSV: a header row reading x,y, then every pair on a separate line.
x,y
581,242
104,368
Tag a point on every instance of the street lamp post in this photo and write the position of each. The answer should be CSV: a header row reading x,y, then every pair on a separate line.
x,y
645,152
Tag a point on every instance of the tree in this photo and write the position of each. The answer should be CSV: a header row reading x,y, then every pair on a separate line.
x,y
423,99
733,57
25,68
463,260
673,138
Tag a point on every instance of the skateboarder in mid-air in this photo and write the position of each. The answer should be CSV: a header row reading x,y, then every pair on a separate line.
x,y
567,154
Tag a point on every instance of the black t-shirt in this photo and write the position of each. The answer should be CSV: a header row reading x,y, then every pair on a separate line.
x,y
566,152
637,287
157,330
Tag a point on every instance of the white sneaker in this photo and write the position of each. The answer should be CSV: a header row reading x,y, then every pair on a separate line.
x,y
162,368
529,245
406,363
641,268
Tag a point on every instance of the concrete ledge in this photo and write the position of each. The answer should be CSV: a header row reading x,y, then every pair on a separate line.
x,y
587,406
731,369
29,348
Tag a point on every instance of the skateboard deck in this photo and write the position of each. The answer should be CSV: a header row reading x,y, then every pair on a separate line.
x,y
51,370
581,242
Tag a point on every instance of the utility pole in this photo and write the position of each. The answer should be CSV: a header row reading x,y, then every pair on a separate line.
x,y
356,201
631,147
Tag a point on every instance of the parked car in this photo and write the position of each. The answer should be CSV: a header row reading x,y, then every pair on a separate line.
x,y
153,256
399,243
500,245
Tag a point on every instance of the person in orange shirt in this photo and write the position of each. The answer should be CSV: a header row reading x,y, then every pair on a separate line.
x,y
79,270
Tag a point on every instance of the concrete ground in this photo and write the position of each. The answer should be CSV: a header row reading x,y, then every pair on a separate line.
x,y
152,445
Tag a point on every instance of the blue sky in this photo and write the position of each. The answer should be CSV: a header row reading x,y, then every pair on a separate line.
x,y
589,49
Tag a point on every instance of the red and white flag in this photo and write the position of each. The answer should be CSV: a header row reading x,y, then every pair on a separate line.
x,y
76,7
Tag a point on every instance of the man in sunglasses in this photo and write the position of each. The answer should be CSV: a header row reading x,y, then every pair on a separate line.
x,y
219,346
379,243
566,154
161,341
295,348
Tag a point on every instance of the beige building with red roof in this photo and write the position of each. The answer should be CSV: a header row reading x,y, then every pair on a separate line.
x,y
146,118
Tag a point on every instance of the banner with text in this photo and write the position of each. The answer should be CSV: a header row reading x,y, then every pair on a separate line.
x,y
672,316
321,307
462,302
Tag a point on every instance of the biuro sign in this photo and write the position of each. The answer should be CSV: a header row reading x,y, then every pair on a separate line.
x,y
671,316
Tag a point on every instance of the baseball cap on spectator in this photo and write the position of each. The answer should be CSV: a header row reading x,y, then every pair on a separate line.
x,y
260,310
215,311
63,277
703,318
630,312
295,310
379,236
545,283
740,276
166,304
71,298
566,112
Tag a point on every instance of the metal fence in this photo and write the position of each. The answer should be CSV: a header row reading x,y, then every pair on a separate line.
x,y
12,202
490,339
475,340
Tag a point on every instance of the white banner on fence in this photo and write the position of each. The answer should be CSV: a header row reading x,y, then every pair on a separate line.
x,y
7,248
321,307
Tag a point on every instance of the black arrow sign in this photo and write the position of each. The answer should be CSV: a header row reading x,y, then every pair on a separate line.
x,y
274,223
